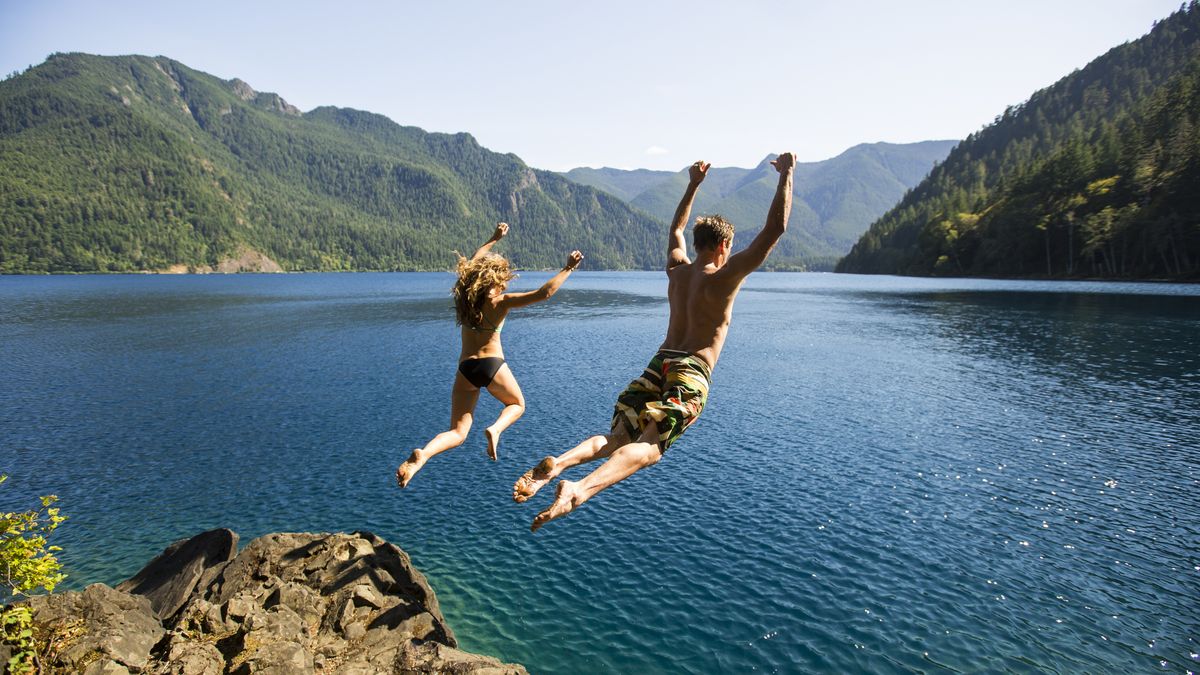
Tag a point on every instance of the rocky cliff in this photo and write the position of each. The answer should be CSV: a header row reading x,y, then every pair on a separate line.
x,y
287,603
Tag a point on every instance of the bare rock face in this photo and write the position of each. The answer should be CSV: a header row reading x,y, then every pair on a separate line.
x,y
171,578
288,603
275,103
242,90
248,260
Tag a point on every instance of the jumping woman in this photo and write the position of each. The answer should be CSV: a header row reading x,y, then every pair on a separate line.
x,y
482,305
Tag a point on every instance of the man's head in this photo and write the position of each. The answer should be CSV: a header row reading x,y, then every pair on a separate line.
x,y
709,232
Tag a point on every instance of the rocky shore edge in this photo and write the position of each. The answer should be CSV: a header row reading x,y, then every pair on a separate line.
x,y
287,603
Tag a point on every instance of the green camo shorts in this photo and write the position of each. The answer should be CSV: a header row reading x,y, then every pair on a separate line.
x,y
670,394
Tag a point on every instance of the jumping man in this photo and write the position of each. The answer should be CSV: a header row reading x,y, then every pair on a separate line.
x,y
656,408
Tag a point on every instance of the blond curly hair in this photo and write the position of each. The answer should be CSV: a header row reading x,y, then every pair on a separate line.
x,y
476,278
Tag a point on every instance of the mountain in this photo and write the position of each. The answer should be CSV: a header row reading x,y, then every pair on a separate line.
x,y
137,163
624,183
1097,175
835,199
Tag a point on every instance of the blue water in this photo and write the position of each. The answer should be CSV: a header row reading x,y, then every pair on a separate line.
x,y
892,475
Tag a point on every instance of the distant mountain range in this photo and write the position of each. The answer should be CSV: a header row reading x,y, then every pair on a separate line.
x,y
138,163
835,199
1097,175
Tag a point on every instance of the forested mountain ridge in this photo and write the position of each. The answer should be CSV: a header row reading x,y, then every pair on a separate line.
x,y
834,199
138,163
1097,175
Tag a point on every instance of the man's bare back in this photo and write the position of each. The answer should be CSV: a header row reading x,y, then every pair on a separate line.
x,y
670,394
701,303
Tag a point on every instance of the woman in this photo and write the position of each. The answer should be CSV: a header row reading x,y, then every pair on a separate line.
x,y
481,306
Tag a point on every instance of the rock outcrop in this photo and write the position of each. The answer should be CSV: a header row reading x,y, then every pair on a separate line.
x,y
287,603
245,260
248,260
242,89
171,578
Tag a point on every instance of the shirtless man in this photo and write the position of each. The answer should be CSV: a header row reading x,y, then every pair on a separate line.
x,y
660,404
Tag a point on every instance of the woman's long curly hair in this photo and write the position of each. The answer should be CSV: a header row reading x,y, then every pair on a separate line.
x,y
476,278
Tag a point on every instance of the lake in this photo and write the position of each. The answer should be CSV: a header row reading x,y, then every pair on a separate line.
x,y
892,475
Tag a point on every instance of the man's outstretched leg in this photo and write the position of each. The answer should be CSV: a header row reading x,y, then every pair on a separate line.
x,y
623,463
596,447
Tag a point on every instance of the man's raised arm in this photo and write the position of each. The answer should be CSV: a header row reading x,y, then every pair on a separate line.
x,y
501,230
749,259
676,243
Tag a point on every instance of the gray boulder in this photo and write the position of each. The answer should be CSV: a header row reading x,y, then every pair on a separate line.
x,y
100,625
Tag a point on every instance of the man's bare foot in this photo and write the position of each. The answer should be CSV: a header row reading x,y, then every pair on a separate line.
x,y
410,467
566,497
493,439
533,480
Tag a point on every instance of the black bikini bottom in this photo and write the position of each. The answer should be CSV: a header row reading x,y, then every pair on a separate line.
x,y
480,372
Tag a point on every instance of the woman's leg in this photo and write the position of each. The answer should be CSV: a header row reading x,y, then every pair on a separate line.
x,y
463,398
504,387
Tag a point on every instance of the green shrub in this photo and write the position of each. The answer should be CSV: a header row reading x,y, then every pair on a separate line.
x,y
27,563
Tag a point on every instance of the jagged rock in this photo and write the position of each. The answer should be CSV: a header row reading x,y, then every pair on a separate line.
x,y
287,603
201,616
105,667
278,658
365,595
118,626
300,599
432,657
280,622
240,606
169,580
190,657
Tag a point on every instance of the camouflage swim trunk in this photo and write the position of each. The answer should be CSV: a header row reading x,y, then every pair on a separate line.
x,y
670,394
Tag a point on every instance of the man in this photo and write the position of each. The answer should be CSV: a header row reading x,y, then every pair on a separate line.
x,y
658,406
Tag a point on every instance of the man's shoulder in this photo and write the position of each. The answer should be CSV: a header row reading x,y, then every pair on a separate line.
x,y
693,272
684,269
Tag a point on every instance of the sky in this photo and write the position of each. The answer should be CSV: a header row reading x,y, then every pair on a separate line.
x,y
628,84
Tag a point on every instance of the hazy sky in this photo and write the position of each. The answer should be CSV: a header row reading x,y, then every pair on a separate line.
x,y
651,84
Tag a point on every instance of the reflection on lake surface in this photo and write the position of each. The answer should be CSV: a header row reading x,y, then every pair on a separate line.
x,y
892,475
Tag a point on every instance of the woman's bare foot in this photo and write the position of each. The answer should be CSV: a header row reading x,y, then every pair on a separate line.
x,y
493,439
410,467
533,480
566,497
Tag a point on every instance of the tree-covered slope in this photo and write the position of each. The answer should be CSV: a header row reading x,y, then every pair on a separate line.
x,y
835,199
139,163
1095,176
